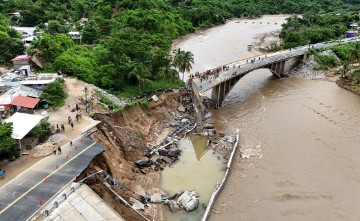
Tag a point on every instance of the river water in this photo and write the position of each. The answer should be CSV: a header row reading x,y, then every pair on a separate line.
x,y
198,169
301,136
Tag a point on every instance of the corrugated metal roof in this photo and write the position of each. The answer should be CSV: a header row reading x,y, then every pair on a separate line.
x,y
27,102
24,91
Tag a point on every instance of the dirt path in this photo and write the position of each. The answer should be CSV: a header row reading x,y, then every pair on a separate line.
x,y
75,90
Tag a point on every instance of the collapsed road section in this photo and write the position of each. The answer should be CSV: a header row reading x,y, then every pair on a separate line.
x,y
142,142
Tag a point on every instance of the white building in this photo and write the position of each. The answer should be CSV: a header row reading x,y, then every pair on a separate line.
x,y
75,35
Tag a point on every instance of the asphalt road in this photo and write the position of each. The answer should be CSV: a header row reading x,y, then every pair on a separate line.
x,y
246,66
20,198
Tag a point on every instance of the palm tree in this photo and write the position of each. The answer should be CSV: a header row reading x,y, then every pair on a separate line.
x,y
355,53
168,71
183,61
345,70
177,58
140,73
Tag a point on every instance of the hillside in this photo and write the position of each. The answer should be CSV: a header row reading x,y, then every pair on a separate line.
x,y
125,44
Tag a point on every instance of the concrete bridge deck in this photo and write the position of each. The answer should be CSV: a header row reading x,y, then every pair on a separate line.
x,y
274,61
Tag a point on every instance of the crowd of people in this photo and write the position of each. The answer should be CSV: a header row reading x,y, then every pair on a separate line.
x,y
214,73
210,74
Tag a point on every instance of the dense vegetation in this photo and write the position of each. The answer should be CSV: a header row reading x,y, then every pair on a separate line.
x,y
54,93
126,43
11,44
7,144
313,28
41,131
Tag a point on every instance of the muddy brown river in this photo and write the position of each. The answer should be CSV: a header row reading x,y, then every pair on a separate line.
x,y
300,138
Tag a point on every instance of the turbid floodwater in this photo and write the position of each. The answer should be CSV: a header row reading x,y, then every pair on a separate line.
x,y
300,137
198,169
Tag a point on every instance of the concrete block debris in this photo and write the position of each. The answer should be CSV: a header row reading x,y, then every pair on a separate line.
x,y
188,200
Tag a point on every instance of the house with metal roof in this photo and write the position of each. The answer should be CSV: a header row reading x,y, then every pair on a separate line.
x,y
21,60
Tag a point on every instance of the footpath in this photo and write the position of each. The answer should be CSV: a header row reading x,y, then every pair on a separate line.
x,y
26,193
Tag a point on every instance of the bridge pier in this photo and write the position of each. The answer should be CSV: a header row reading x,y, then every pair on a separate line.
x,y
227,86
197,103
218,93
282,68
278,68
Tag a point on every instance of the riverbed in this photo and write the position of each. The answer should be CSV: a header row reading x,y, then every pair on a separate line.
x,y
300,137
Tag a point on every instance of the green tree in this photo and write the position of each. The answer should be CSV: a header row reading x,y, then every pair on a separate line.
x,y
345,70
7,143
54,93
55,27
141,74
10,48
183,61
91,33
41,131
355,53
52,46
77,61
168,72
11,44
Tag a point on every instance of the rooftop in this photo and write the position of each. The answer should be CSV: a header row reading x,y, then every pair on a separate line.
x,y
21,58
24,91
23,101
23,123
84,204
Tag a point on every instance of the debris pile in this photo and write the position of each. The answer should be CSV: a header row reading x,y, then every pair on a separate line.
x,y
306,70
188,201
167,152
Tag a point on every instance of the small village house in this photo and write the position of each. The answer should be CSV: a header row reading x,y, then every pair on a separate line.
x,y
20,61
22,124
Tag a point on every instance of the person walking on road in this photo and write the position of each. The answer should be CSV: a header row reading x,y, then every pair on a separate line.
x,y
70,141
55,150
72,125
59,149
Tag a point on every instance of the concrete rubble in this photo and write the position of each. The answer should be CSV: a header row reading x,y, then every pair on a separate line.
x,y
188,201
306,70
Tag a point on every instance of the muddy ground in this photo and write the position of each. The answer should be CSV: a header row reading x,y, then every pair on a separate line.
x,y
126,136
